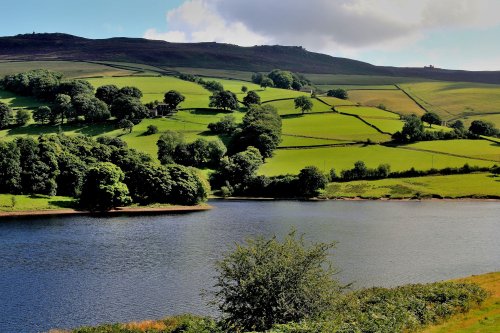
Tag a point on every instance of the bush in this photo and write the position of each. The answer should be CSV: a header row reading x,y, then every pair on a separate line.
x,y
267,282
152,129
338,93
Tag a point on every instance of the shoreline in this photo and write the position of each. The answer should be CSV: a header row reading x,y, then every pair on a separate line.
x,y
466,199
113,212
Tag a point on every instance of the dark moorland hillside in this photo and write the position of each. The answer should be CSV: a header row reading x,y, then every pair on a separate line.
x,y
57,46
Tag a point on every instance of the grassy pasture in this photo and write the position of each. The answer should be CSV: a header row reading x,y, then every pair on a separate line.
x,y
70,69
453,100
340,158
16,101
153,88
394,100
333,101
368,112
492,118
349,87
299,141
453,186
331,126
34,202
471,148
287,107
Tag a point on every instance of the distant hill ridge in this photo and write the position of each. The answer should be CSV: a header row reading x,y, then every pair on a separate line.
x,y
59,46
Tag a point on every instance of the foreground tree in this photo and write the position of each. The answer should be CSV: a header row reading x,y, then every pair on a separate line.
x,y
103,188
267,282
22,117
431,118
311,180
303,103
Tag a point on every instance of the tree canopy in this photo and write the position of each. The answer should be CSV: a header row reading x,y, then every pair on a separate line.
x,y
303,103
225,100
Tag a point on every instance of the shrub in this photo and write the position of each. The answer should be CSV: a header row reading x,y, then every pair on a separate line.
x,y
152,129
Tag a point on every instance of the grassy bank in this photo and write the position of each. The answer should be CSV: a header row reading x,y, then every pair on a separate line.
x,y
13,203
477,185
485,318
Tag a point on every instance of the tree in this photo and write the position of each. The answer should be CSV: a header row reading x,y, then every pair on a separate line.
x,y
172,99
10,168
257,78
62,107
413,130
266,282
131,92
152,129
91,108
431,118
311,180
22,117
281,79
226,125
42,114
131,108
103,188
75,87
251,98
238,169
224,100
126,125
107,93
304,103
6,114
458,125
188,187
167,143
337,93
266,82
480,127
244,89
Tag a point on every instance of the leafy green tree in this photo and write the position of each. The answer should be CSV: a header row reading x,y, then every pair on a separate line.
x,y
22,117
281,79
74,88
152,129
251,98
188,187
480,127
266,282
6,114
167,144
131,92
244,89
91,108
131,108
126,125
48,167
107,93
10,168
103,188
311,180
304,103
337,93
257,78
266,82
42,114
226,125
213,86
431,118
238,169
458,125
261,128
172,99
225,100
71,175
62,107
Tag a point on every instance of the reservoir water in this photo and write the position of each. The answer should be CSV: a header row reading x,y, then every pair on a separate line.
x,y
72,271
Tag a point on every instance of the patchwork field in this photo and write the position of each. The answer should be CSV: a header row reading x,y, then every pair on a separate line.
x,y
454,100
454,186
287,107
342,158
471,148
70,69
393,100
333,101
349,87
331,126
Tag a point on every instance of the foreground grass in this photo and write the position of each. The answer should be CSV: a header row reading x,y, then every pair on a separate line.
x,y
12,203
477,185
485,318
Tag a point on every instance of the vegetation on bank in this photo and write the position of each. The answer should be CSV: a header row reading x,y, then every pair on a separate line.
x,y
288,286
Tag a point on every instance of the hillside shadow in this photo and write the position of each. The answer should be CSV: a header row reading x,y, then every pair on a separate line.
x,y
17,101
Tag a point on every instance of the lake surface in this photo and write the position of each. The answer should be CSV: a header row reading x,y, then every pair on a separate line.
x,y
72,271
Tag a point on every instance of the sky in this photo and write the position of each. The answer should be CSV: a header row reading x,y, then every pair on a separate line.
x,y
455,34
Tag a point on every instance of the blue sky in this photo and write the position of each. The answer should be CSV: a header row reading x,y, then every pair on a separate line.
x,y
458,34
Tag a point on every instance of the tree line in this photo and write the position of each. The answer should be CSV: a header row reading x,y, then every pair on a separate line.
x,y
101,173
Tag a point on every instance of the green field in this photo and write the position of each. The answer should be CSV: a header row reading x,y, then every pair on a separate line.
x,y
342,79
394,100
70,69
287,107
349,87
454,100
15,101
331,126
33,202
454,186
342,158
471,148
333,101
368,112
492,118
